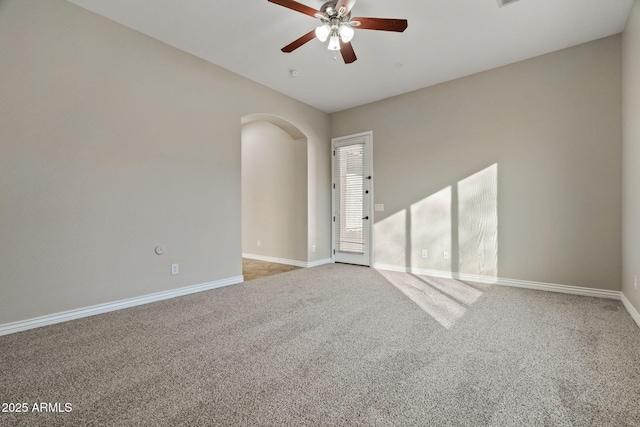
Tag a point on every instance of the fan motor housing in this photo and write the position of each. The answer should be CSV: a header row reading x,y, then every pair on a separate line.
x,y
329,9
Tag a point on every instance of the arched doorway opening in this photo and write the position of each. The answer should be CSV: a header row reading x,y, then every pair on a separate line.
x,y
274,196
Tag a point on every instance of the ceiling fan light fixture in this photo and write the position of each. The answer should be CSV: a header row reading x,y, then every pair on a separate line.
x,y
334,42
322,32
337,26
346,33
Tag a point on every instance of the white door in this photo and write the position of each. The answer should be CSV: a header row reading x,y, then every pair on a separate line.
x,y
352,195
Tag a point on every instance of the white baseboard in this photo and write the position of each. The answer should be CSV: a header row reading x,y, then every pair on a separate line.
x,y
319,262
436,273
274,259
525,284
631,309
23,325
285,261
563,289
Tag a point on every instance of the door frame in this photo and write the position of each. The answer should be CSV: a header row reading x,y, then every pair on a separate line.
x,y
369,224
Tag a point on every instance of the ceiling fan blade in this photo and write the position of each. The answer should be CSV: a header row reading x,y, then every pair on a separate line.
x,y
347,4
383,24
348,54
298,7
299,42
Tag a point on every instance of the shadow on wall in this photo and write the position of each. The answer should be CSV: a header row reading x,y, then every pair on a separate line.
x,y
452,233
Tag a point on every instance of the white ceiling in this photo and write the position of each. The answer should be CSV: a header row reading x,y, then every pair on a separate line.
x,y
445,40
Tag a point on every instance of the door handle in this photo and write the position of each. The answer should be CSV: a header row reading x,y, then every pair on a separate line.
x,y
366,217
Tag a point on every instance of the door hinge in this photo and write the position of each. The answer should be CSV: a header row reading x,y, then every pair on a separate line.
x,y
334,152
334,251
334,186
334,219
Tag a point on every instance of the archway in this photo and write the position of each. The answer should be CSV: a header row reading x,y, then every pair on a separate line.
x,y
274,195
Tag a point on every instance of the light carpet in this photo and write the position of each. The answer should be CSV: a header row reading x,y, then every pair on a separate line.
x,y
335,345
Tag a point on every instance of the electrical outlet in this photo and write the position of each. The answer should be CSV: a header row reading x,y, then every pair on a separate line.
x,y
445,255
175,269
313,248
425,253
635,281
259,243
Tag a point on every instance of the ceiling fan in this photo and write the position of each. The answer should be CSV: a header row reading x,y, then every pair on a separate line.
x,y
337,25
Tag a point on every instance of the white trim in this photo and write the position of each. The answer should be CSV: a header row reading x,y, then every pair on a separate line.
x,y
274,259
563,289
526,284
436,273
285,261
631,309
319,262
23,325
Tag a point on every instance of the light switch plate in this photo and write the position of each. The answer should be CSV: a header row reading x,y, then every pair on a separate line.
x,y
379,207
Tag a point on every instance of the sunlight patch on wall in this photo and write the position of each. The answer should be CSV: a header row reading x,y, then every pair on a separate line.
x,y
392,233
402,236
431,230
453,230
478,223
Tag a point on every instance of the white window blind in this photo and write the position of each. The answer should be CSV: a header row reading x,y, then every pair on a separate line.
x,y
350,189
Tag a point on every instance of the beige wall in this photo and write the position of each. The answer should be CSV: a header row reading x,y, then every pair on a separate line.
x,y
631,156
112,143
515,171
274,192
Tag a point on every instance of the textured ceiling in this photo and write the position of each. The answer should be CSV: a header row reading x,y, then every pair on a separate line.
x,y
445,40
